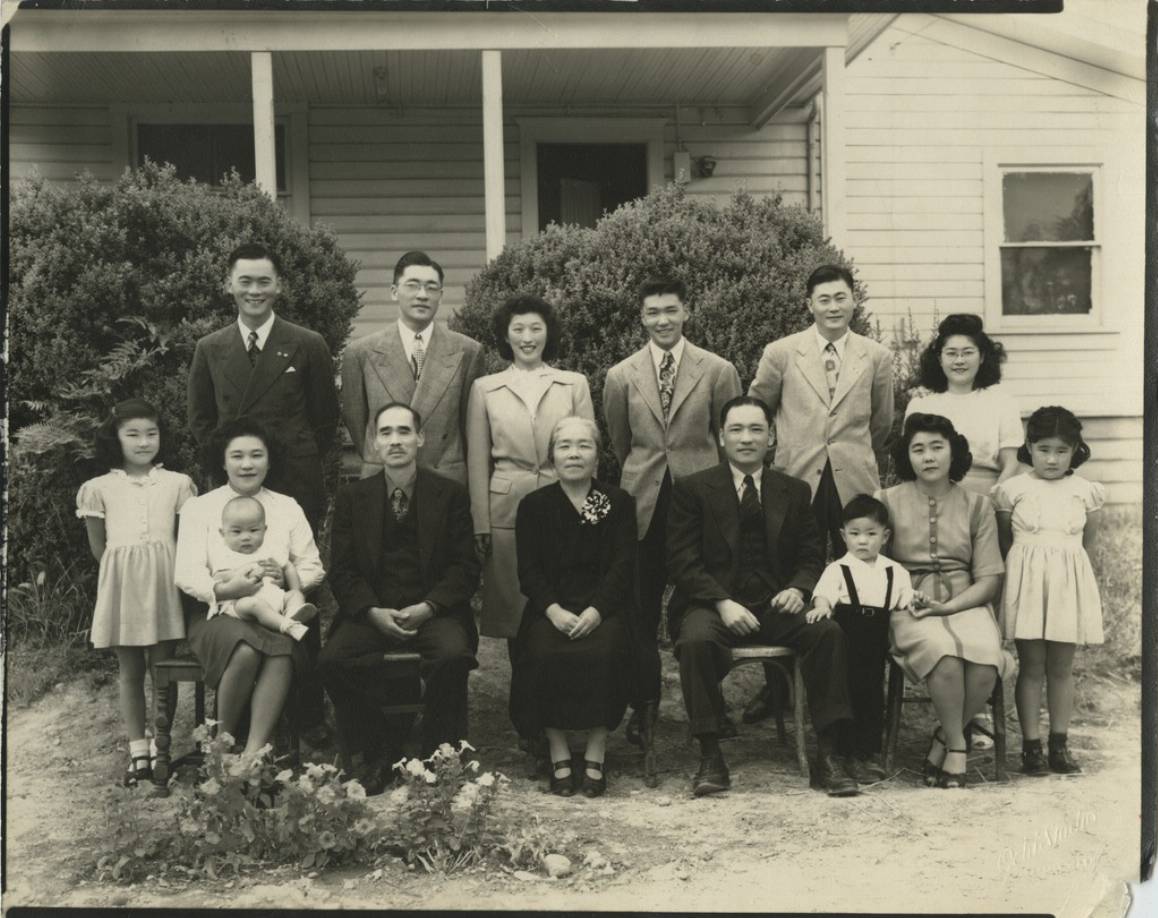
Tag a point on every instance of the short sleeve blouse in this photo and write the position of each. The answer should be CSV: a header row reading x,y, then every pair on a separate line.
x,y
988,418
136,509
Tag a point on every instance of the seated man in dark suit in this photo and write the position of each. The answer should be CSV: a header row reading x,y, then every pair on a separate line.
x,y
403,569
744,552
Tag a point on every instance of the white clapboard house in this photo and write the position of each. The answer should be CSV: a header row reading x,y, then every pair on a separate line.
x,y
987,163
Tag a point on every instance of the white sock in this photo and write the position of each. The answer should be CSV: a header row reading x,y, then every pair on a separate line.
x,y
138,748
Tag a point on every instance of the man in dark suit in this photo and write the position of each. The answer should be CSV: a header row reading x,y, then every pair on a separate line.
x,y
418,362
282,375
744,552
403,568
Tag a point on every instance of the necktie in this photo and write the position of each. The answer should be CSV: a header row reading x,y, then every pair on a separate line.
x,y
749,499
252,351
399,503
831,368
666,382
419,355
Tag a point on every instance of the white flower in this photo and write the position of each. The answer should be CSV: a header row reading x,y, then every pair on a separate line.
x,y
430,777
472,764
463,744
355,790
285,776
416,768
446,751
326,795
400,795
210,788
486,780
315,771
305,784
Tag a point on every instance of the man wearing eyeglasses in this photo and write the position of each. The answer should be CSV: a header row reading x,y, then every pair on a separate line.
x,y
418,363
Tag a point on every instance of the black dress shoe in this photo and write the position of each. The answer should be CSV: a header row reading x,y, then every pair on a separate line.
x,y
864,769
760,707
712,776
563,785
829,776
594,787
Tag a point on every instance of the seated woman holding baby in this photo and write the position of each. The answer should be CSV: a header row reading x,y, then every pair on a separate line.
x,y
249,555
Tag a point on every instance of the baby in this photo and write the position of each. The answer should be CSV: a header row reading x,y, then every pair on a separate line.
x,y
860,590
243,532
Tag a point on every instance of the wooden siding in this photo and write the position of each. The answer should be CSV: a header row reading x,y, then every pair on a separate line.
x,y
922,117
59,142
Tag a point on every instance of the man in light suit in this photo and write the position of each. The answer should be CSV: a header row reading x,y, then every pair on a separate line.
x,y
418,363
283,376
831,391
662,405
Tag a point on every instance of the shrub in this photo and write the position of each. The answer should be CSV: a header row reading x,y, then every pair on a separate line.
x,y
744,264
111,285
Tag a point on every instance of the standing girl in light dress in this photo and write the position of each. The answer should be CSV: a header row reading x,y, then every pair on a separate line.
x,y
1051,602
131,517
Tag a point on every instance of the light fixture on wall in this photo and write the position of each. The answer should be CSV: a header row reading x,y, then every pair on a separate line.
x,y
705,166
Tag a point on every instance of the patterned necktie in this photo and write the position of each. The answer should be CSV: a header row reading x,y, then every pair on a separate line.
x,y
831,368
252,351
399,503
419,355
666,382
749,499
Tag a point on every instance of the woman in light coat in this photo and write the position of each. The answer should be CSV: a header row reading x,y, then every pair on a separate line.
x,y
510,417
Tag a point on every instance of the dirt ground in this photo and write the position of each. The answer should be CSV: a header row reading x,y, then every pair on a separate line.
x,y
1052,844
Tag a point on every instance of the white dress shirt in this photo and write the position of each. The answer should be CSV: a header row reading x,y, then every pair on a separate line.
x,y
407,336
822,342
262,332
738,480
657,354
870,580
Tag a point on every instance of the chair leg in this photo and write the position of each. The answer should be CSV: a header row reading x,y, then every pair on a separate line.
x,y
774,689
648,718
198,704
997,700
798,718
162,739
895,700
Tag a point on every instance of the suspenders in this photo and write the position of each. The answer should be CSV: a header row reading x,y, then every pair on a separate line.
x,y
854,599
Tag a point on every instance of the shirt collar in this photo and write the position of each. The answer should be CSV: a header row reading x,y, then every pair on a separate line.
x,y
657,352
738,478
262,331
822,342
142,480
407,335
405,481
879,563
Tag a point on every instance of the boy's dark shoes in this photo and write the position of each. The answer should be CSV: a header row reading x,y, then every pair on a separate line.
x,y
828,775
1033,761
711,777
1060,760
864,769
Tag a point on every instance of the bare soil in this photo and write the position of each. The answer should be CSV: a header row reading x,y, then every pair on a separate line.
x,y
1065,845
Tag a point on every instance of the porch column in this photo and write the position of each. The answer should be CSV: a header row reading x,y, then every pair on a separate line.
x,y
832,151
493,175
264,155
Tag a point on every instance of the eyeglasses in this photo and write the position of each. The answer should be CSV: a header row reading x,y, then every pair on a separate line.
x,y
414,286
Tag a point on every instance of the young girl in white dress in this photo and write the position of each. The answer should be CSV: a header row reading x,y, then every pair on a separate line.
x,y
1051,603
131,517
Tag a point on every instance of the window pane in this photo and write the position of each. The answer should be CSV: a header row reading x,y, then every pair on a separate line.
x,y
1045,281
1048,206
205,152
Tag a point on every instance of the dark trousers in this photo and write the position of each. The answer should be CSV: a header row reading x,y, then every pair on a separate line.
x,y
704,649
826,507
867,646
651,572
351,668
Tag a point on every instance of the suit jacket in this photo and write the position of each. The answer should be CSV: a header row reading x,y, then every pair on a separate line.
x,y
450,568
647,446
703,538
375,372
507,444
810,430
290,390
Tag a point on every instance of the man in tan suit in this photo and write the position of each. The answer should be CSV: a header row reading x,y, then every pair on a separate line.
x,y
662,406
832,393
417,363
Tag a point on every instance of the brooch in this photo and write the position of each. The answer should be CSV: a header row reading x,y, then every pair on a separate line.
x,y
595,508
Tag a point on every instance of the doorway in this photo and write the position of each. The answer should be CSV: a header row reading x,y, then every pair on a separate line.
x,y
579,182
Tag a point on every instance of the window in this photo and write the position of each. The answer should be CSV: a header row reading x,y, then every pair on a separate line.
x,y
207,151
1043,245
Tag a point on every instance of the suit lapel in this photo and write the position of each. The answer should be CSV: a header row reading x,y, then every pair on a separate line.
x,y
726,507
808,361
372,519
440,368
234,360
392,366
643,378
428,493
851,367
687,376
275,357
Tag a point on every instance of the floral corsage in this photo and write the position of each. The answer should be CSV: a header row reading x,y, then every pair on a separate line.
x,y
595,508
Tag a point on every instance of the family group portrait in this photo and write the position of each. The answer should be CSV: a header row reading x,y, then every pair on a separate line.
x,y
575,456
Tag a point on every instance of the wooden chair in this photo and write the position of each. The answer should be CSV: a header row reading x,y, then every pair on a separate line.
x,y
896,700
187,669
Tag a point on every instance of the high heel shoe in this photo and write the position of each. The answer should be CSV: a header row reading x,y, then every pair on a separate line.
x,y
953,779
562,785
932,772
594,787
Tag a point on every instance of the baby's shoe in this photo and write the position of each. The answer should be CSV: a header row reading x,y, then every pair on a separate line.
x,y
303,613
296,630
1060,760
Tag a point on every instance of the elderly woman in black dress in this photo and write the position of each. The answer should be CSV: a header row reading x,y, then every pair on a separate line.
x,y
576,548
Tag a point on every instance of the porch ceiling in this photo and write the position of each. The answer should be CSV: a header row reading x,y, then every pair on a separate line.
x,y
687,76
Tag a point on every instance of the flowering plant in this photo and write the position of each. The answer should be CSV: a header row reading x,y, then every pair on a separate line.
x,y
595,508
443,809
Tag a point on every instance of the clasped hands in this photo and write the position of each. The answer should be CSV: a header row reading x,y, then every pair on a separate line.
x,y
400,624
572,625
739,620
247,581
